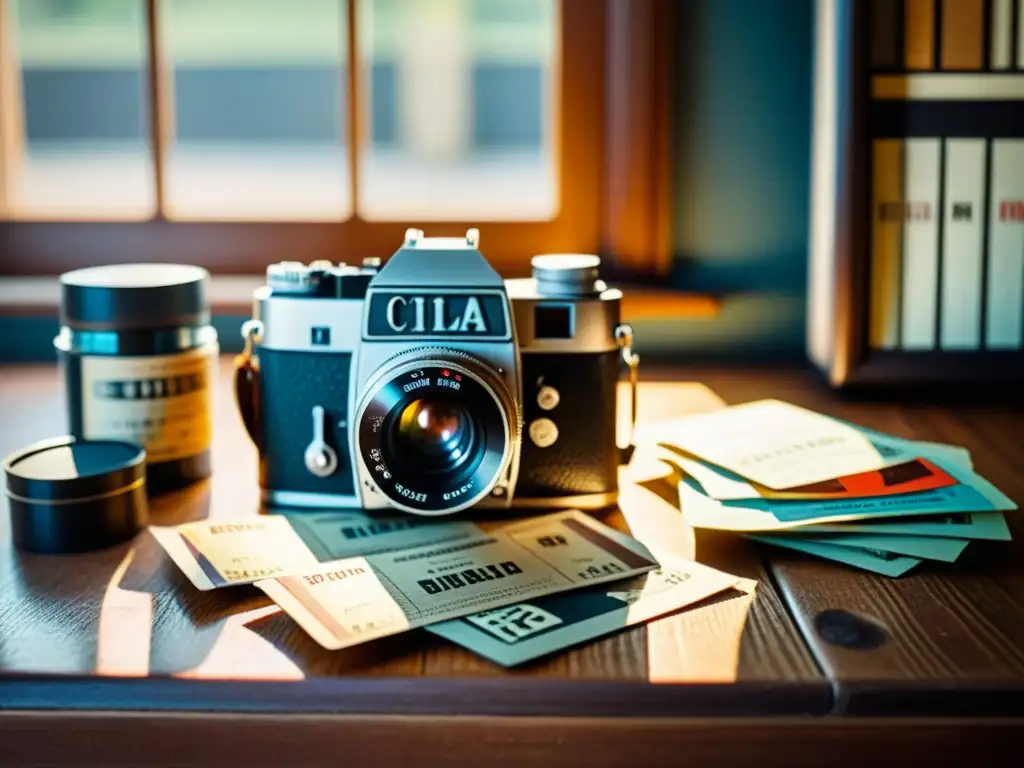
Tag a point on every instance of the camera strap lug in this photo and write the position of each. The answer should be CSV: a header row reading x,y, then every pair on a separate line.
x,y
247,376
624,338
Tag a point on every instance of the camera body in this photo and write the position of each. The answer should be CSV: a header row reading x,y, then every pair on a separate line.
x,y
431,385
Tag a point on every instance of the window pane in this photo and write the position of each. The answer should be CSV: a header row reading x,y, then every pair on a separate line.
x,y
86,136
259,109
460,119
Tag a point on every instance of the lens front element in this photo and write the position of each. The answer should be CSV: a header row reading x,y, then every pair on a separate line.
x,y
437,433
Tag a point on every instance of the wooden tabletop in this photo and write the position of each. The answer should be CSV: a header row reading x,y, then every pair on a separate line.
x,y
122,629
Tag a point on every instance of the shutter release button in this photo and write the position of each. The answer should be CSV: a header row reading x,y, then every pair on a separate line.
x,y
548,398
543,432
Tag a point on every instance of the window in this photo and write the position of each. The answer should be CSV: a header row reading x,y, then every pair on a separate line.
x,y
472,126
76,145
259,114
234,133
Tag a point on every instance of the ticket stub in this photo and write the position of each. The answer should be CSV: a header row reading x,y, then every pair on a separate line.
x,y
525,631
352,601
224,553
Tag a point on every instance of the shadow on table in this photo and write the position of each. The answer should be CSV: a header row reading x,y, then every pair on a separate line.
x,y
52,606
730,637
398,654
183,506
723,550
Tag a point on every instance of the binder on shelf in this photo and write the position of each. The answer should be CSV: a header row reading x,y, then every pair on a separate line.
x,y
919,34
1004,320
963,223
962,34
1001,34
888,212
1020,34
921,158
886,46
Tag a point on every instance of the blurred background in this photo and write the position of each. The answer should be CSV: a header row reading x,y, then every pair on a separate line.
x,y
459,115
261,103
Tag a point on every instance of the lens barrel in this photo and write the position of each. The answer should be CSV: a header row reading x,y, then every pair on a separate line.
x,y
436,431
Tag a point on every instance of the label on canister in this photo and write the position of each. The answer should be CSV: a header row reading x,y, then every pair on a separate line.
x,y
162,402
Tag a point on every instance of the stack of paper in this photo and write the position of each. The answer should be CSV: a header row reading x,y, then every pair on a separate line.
x,y
511,594
793,478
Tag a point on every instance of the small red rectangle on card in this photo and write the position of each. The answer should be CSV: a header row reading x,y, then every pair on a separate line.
x,y
908,477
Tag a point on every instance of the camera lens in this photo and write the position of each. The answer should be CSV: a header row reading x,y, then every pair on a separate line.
x,y
436,431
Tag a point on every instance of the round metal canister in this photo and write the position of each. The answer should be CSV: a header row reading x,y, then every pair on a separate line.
x,y
139,358
67,495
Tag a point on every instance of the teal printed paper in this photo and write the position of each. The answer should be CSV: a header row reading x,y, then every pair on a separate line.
x,y
923,547
887,564
519,633
937,452
961,525
699,511
973,494
955,498
721,484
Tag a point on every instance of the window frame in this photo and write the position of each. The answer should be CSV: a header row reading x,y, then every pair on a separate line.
x,y
612,136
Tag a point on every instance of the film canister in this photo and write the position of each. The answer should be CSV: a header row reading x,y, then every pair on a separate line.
x,y
67,495
139,358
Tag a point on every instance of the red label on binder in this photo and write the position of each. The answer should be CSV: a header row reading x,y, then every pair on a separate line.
x,y
1011,210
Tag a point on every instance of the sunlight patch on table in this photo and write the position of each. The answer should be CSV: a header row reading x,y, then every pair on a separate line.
x,y
126,619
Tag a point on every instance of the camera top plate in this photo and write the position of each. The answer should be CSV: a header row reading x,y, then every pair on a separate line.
x,y
438,262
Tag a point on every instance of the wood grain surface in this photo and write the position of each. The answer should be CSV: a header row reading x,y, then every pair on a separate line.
x,y
114,741
945,638
128,631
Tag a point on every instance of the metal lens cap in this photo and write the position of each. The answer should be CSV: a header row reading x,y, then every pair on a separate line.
x,y
566,274
68,495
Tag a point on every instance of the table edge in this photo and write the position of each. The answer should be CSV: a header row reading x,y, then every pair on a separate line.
x,y
418,696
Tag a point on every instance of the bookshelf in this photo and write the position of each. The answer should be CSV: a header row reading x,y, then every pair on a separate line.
x,y
917,206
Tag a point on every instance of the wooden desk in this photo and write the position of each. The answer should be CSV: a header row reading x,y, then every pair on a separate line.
x,y
113,658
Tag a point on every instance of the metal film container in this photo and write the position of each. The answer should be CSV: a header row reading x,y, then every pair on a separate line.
x,y
139,356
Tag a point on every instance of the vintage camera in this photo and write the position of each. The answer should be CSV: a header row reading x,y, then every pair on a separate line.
x,y
431,385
